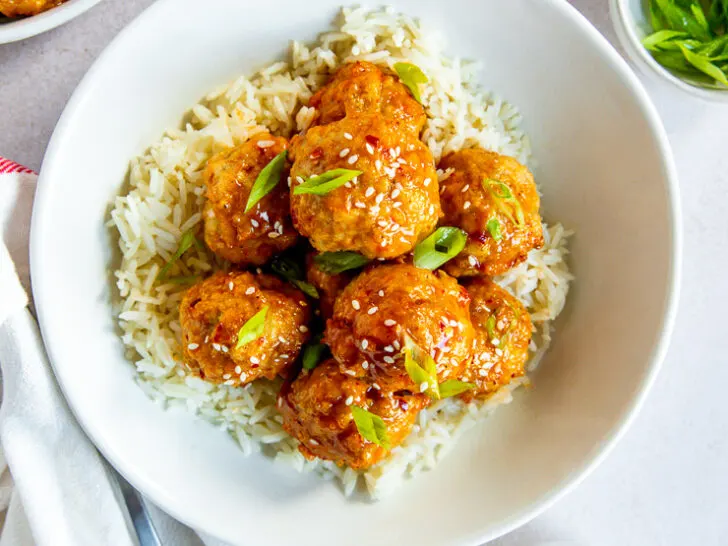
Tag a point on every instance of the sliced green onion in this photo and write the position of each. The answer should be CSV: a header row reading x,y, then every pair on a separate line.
x,y
440,247
503,196
494,228
185,243
292,272
370,426
412,76
268,179
421,368
334,263
453,387
326,182
705,66
490,326
658,38
252,329
313,354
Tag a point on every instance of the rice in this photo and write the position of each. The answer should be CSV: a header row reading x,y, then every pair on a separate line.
x,y
165,198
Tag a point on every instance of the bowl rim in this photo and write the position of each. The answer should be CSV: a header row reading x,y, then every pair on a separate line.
x,y
632,44
538,505
37,24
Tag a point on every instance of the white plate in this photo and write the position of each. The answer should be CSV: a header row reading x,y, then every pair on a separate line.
x,y
25,27
606,170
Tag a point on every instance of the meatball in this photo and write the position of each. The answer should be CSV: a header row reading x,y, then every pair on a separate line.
x,y
503,329
316,410
363,88
376,313
212,313
255,236
17,8
384,212
494,199
329,285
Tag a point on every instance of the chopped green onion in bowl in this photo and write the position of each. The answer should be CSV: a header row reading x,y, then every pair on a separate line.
x,y
688,37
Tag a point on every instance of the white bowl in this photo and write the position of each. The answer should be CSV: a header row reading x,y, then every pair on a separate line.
x,y
25,27
606,171
631,25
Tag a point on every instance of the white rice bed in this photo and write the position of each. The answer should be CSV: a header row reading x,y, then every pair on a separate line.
x,y
166,196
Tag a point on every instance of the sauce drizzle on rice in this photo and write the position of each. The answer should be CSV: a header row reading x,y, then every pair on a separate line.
x,y
166,193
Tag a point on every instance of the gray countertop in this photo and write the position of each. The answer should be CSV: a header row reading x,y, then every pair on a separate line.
x,y
667,480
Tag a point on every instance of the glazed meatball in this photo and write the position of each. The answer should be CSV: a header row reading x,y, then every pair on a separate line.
x,y
494,199
503,334
17,8
363,88
212,313
329,285
255,236
316,410
384,212
386,304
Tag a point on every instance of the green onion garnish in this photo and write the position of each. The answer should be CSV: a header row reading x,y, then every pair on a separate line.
x,y
453,387
334,263
690,38
412,76
326,182
440,247
370,426
252,329
292,272
313,354
490,326
422,369
185,243
504,200
267,179
494,228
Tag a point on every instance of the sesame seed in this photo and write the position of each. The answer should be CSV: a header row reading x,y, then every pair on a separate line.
x,y
401,161
349,400
389,349
382,223
397,204
365,365
472,261
381,293
224,348
303,329
466,187
350,372
238,370
499,352
299,179
482,372
347,185
360,205
395,193
378,164
280,402
396,344
382,244
231,285
370,191
216,346
370,148
243,376
372,310
423,386
265,143
364,343
281,339
313,442
250,290
376,386
255,223
353,159
379,198
426,182
454,323
226,376
255,360
192,346
206,338
274,235
348,136
431,210
284,356
229,382
264,216
388,360
466,205
390,322
344,152
355,304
